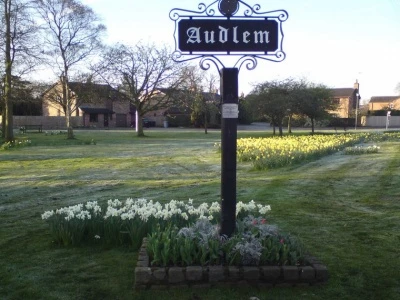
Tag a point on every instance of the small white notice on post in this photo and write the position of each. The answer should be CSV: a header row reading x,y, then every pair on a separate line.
x,y
230,111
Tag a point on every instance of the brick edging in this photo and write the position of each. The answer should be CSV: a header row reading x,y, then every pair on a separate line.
x,y
147,277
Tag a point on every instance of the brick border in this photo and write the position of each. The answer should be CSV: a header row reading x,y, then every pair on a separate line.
x,y
157,278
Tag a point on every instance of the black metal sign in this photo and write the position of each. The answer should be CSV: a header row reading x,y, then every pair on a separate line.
x,y
230,35
228,27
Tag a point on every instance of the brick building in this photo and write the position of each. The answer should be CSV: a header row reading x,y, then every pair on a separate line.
x,y
99,105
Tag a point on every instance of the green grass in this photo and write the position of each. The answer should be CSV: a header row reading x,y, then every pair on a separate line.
x,y
345,208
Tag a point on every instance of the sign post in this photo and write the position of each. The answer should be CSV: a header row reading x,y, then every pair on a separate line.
x,y
240,31
230,111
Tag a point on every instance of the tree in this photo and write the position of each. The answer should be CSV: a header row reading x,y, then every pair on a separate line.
x,y
245,113
73,35
20,48
145,74
316,100
7,112
277,99
274,100
198,95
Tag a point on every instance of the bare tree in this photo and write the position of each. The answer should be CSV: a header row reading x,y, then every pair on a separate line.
x,y
7,112
145,74
20,50
73,35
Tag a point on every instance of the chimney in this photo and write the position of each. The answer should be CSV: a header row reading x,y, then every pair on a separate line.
x,y
357,86
62,77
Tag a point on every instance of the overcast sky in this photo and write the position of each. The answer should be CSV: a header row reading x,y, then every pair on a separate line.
x,y
329,42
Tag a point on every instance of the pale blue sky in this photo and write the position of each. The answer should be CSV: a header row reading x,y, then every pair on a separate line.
x,y
329,42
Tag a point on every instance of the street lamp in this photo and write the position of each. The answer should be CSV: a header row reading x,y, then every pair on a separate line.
x,y
388,115
387,119
358,97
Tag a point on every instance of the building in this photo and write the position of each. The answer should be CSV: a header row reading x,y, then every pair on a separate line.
x,y
178,113
99,105
384,103
348,99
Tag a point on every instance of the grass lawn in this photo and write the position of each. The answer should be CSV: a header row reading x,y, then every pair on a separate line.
x,y
345,208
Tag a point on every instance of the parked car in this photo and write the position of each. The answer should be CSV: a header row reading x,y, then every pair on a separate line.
x,y
145,122
148,123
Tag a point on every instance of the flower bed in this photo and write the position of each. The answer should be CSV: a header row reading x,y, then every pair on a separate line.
x,y
183,245
147,277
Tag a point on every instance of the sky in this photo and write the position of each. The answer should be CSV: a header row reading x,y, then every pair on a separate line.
x,y
330,42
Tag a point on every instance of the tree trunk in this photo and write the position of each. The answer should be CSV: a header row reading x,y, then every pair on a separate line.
x,y
205,123
273,129
139,123
280,129
139,126
312,126
289,127
3,121
8,107
66,95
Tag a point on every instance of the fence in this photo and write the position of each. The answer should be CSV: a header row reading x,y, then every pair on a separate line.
x,y
46,122
380,121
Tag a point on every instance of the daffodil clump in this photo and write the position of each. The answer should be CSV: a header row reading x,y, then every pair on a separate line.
x,y
358,150
274,152
130,221
15,144
55,132
281,151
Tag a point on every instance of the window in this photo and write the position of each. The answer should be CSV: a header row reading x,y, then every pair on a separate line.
x,y
93,118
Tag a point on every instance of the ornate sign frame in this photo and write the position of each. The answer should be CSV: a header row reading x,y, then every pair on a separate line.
x,y
228,10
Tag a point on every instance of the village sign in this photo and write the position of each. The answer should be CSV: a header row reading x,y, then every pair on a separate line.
x,y
228,35
240,32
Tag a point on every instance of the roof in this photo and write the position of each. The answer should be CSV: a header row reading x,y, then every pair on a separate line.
x,y
96,110
88,90
179,93
93,90
212,96
343,92
384,99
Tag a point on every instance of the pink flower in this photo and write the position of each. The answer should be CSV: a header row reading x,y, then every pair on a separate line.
x,y
263,221
254,222
282,241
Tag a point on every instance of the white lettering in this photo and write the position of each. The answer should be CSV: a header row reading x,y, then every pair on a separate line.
x,y
193,34
261,35
235,40
223,34
245,36
207,37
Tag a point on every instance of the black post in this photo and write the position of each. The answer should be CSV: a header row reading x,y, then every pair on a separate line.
x,y
230,101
